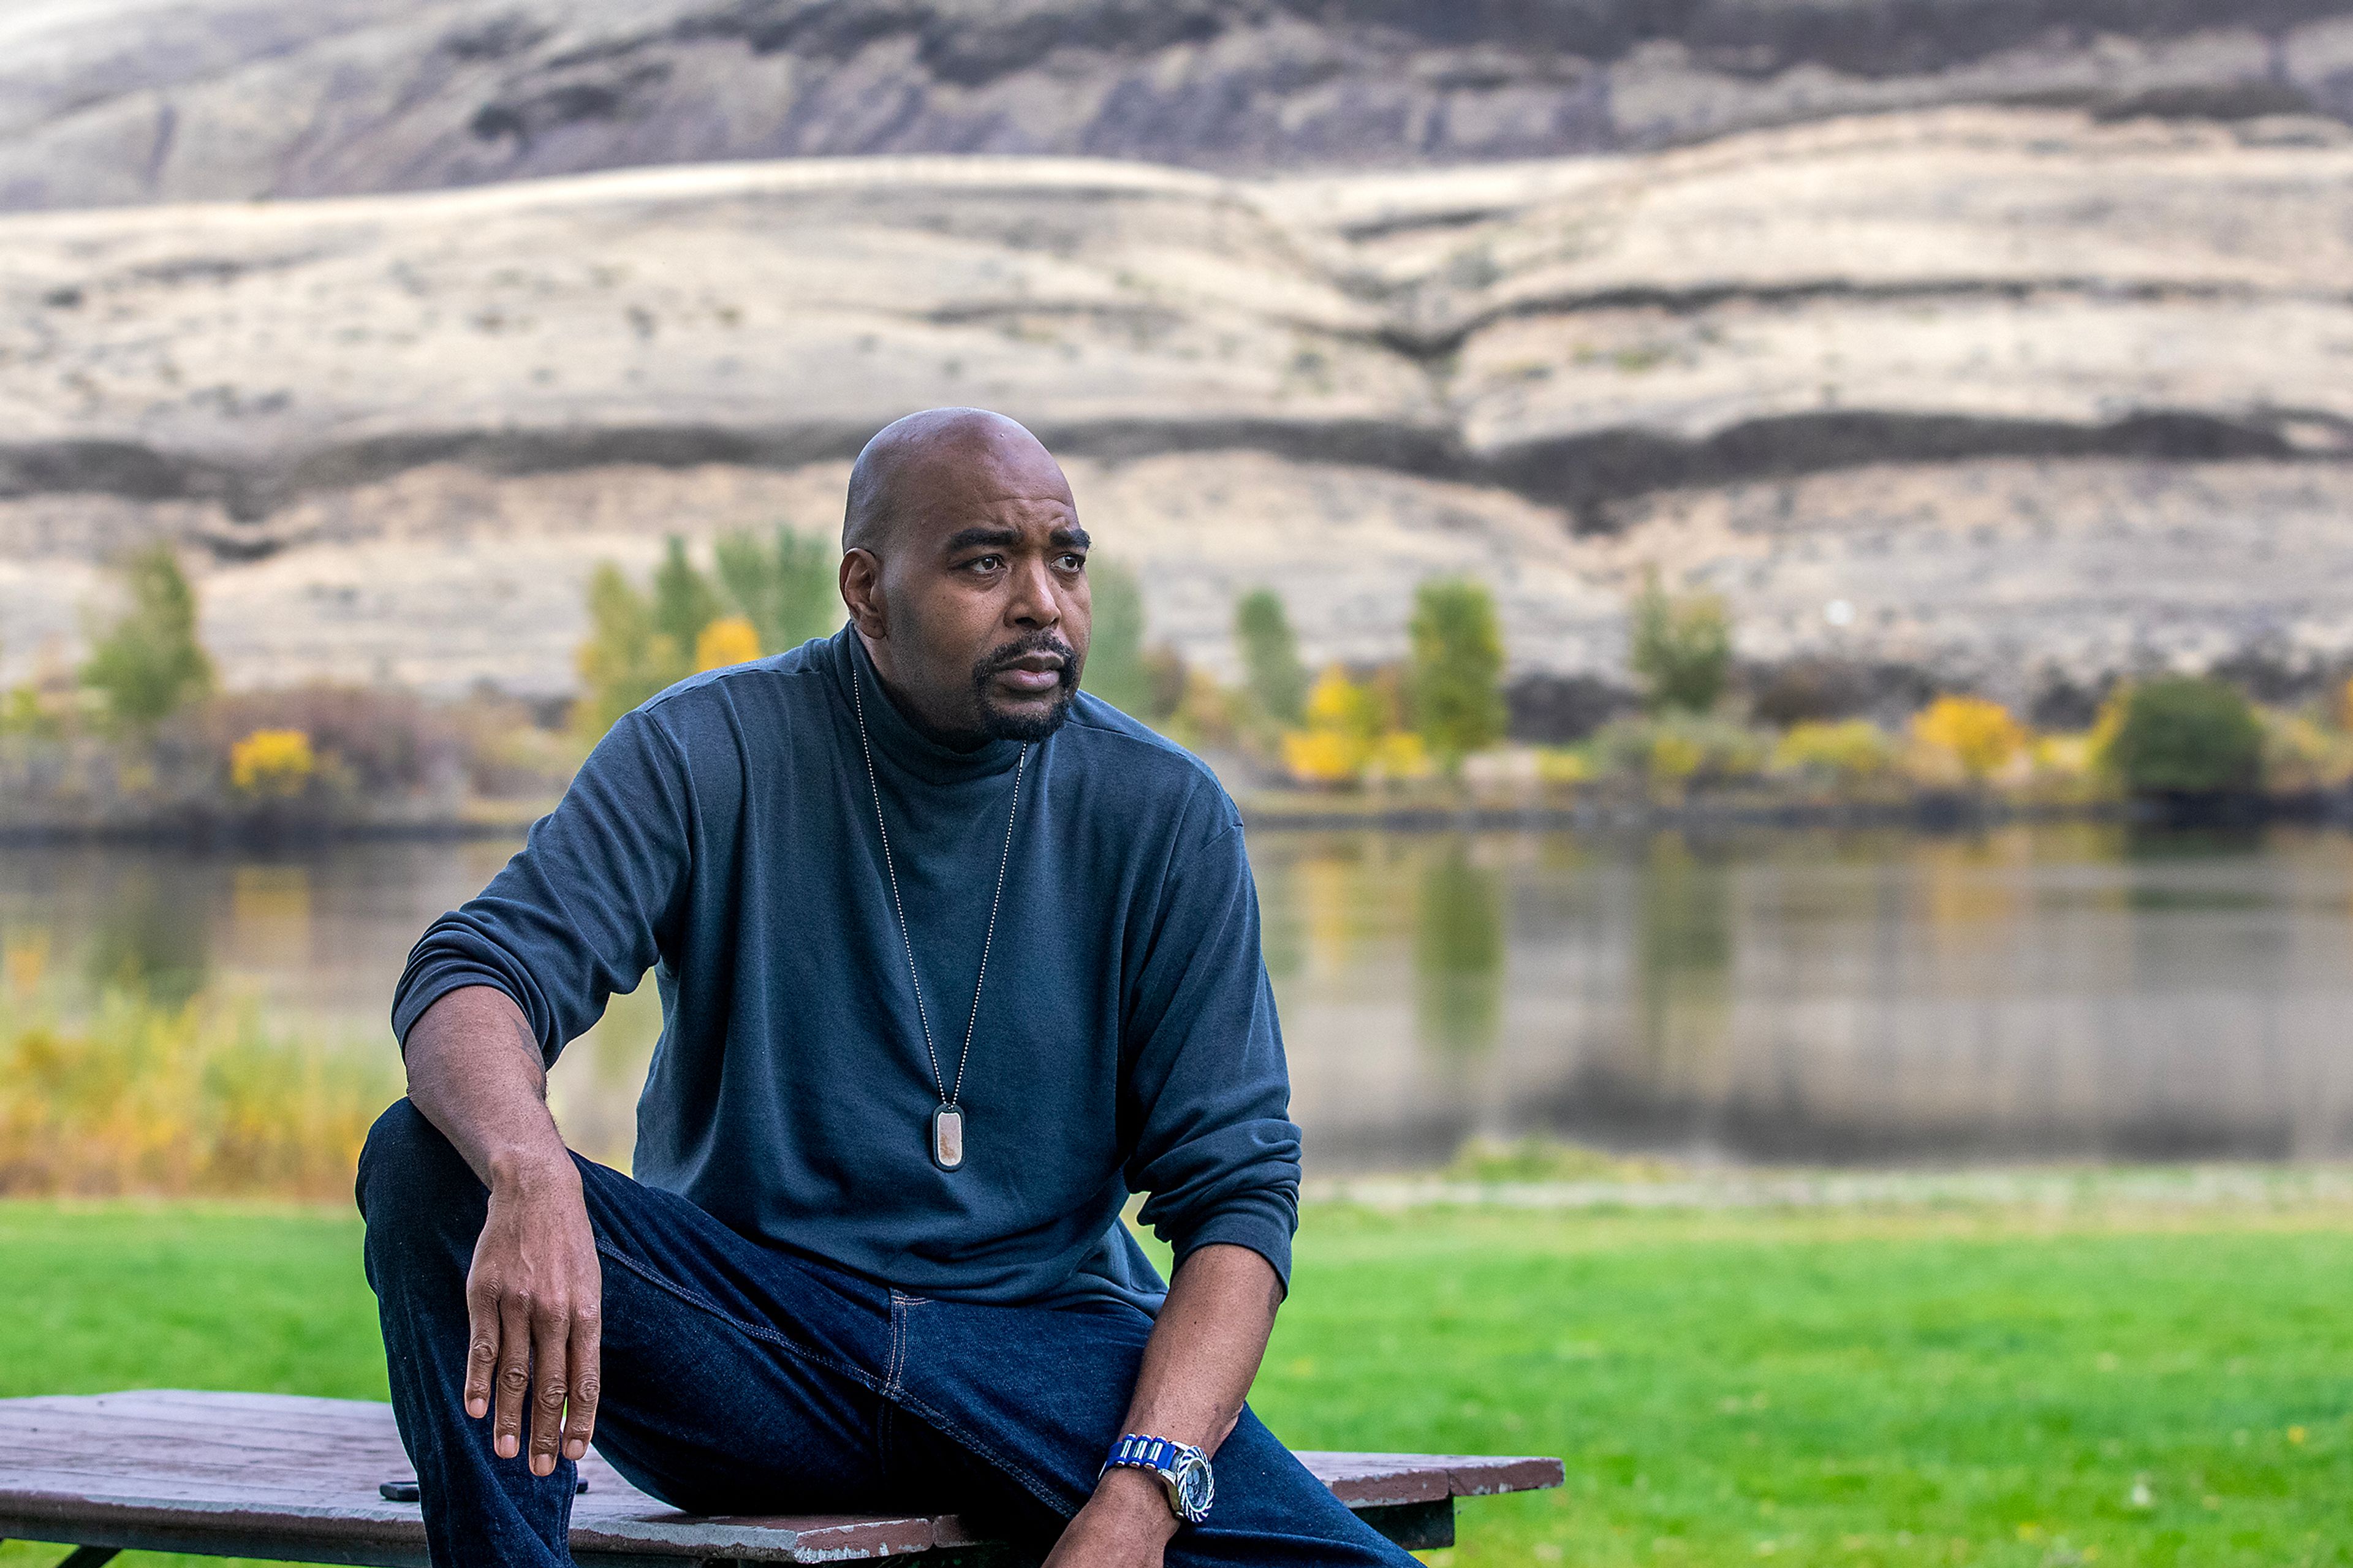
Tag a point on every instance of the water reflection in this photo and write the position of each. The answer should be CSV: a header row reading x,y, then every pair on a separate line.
x,y
1683,960
2054,992
1458,954
141,936
319,936
2046,992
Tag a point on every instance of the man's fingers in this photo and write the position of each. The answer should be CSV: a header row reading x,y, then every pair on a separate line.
x,y
481,1350
551,1330
514,1383
587,1335
531,1308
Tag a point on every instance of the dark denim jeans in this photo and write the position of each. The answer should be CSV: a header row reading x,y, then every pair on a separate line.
x,y
742,1378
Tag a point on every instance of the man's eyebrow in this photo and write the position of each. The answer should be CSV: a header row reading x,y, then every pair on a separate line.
x,y
977,537
1066,536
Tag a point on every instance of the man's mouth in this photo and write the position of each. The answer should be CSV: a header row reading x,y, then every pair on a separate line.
x,y
1024,688
1033,674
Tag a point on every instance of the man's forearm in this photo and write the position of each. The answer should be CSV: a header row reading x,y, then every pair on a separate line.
x,y
1197,1367
535,1292
474,1070
1206,1347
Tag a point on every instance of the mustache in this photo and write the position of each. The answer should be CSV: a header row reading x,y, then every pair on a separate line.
x,y
1030,647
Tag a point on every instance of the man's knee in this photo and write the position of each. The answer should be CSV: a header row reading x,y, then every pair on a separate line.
x,y
409,1175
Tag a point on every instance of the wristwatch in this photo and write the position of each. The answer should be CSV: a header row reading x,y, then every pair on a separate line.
x,y
1183,1469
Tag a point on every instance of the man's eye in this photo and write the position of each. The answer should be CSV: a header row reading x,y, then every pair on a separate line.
x,y
1072,562
985,563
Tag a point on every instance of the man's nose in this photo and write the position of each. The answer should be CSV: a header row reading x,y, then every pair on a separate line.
x,y
1033,604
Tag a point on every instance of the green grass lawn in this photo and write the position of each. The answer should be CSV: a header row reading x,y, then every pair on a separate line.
x,y
1931,1386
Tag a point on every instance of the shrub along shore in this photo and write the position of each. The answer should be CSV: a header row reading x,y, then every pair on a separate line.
x,y
137,740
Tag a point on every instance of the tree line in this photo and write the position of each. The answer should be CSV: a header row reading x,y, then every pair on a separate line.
x,y
145,704
1421,717
762,596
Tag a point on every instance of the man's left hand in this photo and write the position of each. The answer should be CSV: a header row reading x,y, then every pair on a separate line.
x,y
1204,1350
1126,1524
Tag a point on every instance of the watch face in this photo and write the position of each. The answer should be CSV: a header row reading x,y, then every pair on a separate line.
x,y
1194,1486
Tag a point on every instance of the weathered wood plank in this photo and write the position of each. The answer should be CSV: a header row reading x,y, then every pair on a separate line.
x,y
278,1475
1489,1476
1365,1480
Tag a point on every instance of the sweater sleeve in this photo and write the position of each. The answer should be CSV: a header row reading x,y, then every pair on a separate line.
x,y
1205,1088
586,907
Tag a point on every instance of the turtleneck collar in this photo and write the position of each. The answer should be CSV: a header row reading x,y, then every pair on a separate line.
x,y
897,742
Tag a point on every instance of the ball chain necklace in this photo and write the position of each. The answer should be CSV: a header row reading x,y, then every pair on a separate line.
x,y
947,1122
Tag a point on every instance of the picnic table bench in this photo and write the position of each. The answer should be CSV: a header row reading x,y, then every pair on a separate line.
x,y
275,1476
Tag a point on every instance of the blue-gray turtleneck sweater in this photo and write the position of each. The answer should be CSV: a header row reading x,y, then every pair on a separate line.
x,y
724,835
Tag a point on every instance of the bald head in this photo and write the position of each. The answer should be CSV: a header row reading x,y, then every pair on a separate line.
x,y
964,567
921,464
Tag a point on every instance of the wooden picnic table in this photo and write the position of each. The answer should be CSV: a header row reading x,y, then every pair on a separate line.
x,y
276,1476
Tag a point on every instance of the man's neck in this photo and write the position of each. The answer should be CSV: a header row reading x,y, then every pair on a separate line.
x,y
906,707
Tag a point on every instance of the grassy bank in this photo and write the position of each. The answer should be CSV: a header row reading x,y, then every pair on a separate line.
x,y
2002,1384
202,1096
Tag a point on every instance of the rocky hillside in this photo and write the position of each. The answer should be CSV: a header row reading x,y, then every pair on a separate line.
x,y
105,102
2013,397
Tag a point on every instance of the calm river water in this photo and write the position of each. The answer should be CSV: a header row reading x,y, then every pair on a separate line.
x,y
2073,992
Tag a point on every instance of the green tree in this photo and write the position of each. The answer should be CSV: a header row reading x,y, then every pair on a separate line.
x,y
808,589
150,663
1680,648
2187,735
1456,685
1116,670
625,661
788,592
1276,678
747,581
684,599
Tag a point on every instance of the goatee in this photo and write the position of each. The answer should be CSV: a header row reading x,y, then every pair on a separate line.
x,y
999,725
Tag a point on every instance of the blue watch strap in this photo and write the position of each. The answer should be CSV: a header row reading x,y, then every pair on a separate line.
x,y
1144,1453
1184,1471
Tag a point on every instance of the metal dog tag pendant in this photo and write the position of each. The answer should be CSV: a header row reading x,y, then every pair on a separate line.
x,y
947,1137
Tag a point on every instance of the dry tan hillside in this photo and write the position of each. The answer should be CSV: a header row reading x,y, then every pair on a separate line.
x,y
108,102
2032,396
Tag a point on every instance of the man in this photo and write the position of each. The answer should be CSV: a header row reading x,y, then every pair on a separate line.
x,y
953,958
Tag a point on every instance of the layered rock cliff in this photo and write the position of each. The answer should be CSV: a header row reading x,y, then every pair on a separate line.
x,y
2014,398
107,101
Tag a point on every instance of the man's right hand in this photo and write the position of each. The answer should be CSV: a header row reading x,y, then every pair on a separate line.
x,y
535,1291
532,1300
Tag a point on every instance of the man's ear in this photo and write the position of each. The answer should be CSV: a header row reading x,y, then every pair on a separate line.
x,y
861,591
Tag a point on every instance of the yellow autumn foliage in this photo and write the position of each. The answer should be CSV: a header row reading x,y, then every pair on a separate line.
x,y
1324,756
1846,752
1402,755
1674,757
1560,766
1342,705
730,639
1350,734
272,762
2301,756
1979,735
138,1096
